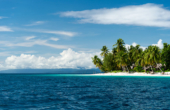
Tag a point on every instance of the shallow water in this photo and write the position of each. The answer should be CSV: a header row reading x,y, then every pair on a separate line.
x,y
83,92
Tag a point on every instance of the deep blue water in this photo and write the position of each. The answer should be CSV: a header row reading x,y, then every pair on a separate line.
x,y
78,92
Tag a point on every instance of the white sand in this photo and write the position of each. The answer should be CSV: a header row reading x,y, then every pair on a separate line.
x,y
131,74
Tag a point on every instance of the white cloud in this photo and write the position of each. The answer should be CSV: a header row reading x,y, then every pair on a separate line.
x,y
70,34
134,44
141,15
54,39
30,52
32,43
29,37
5,28
67,59
65,33
36,23
159,44
5,53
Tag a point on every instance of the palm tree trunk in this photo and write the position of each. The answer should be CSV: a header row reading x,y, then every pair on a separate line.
x,y
127,69
160,68
151,68
122,68
145,69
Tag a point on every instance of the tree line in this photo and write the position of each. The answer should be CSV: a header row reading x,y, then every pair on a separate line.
x,y
133,59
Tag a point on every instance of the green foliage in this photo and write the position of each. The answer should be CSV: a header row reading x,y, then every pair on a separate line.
x,y
154,69
120,45
147,71
103,69
131,70
142,71
166,55
116,71
104,51
138,69
135,57
97,61
108,62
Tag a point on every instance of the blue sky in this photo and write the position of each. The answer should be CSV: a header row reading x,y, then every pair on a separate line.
x,y
61,33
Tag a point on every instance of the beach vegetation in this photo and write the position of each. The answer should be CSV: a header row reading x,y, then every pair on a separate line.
x,y
133,59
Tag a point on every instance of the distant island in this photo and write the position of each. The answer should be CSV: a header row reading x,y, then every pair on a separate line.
x,y
133,59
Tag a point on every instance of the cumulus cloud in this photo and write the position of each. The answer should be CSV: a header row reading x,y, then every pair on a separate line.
x,y
141,15
67,59
54,39
35,23
5,28
134,44
159,44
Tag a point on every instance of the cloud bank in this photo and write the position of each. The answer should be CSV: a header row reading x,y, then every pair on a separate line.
x,y
67,59
134,44
159,44
141,15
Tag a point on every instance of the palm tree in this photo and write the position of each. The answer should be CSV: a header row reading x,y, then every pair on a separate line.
x,y
97,61
94,59
120,45
148,57
153,56
130,57
104,51
136,52
114,51
122,59
165,55
141,60
156,55
108,62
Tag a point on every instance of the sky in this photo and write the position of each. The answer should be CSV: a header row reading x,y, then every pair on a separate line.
x,y
55,34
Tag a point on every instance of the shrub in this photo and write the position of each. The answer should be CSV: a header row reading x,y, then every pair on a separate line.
x,y
116,71
138,69
143,71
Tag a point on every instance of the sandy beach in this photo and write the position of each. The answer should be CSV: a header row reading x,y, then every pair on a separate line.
x,y
132,74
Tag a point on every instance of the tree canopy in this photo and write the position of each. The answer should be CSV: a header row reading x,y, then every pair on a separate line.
x,y
133,58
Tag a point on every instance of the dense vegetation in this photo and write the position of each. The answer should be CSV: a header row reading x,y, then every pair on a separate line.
x,y
133,59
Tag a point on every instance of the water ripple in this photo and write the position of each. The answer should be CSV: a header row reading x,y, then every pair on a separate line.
x,y
83,93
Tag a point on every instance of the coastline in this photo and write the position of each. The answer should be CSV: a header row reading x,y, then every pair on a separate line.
x,y
131,74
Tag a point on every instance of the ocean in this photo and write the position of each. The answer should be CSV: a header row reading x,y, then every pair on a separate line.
x,y
83,92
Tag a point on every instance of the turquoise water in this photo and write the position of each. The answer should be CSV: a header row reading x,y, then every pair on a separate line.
x,y
83,92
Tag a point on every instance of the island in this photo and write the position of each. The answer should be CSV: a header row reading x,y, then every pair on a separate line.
x,y
133,60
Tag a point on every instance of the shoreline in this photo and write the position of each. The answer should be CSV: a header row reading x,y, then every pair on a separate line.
x,y
131,74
